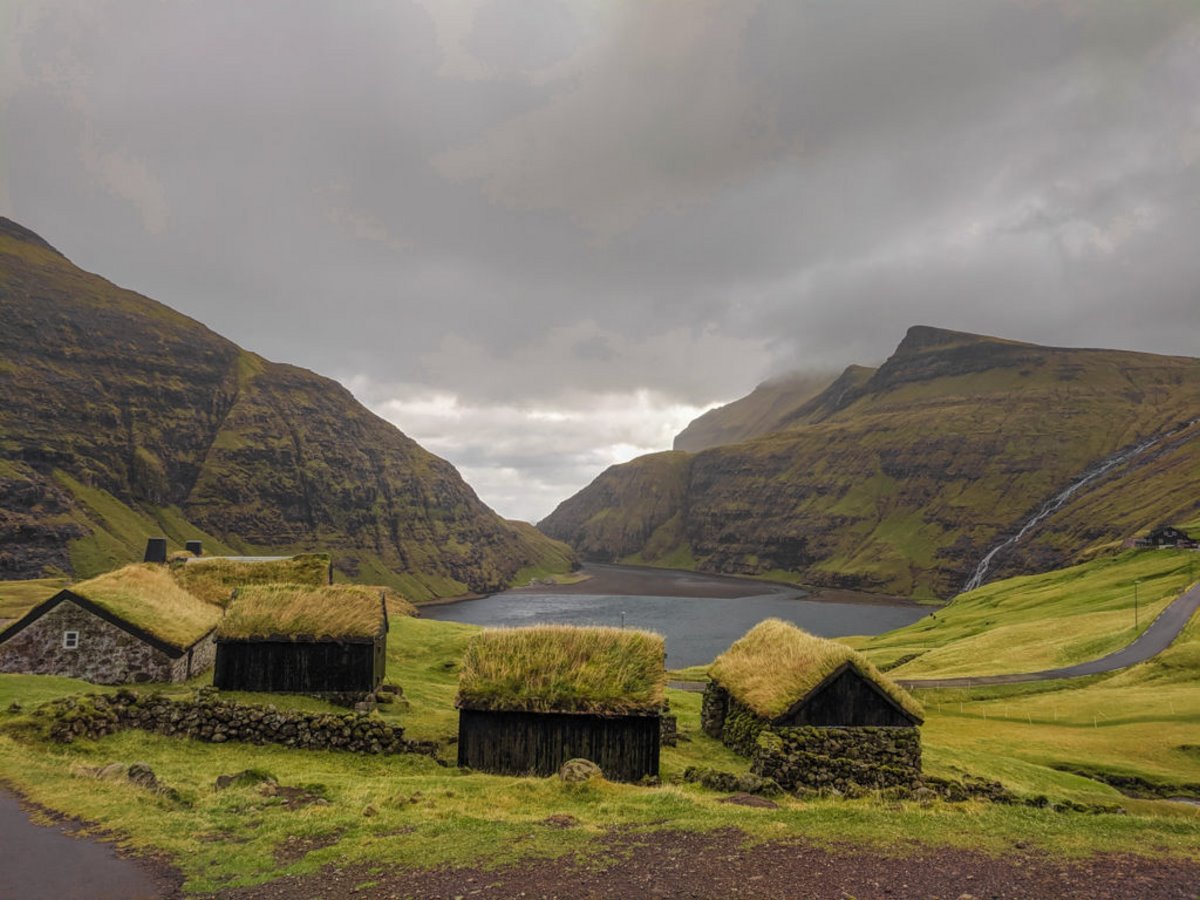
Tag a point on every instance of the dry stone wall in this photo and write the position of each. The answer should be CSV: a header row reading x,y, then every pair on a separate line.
x,y
207,717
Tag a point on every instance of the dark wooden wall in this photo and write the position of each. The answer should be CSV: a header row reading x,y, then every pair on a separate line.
x,y
300,666
625,748
849,699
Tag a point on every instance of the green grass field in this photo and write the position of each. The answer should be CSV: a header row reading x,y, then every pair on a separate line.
x,y
408,810
1038,621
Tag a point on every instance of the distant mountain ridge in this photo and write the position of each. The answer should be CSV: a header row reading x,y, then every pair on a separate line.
x,y
123,418
769,407
900,479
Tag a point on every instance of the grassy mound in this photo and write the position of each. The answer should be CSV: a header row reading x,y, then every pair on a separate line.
x,y
775,665
565,669
296,610
147,596
216,578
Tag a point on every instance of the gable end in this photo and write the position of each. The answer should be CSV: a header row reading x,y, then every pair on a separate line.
x,y
846,669
99,612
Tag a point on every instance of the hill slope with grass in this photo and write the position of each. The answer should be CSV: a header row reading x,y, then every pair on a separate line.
x,y
771,406
124,418
901,479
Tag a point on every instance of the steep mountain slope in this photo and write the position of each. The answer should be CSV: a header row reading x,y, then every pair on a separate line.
x,y
771,406
901,479
124,418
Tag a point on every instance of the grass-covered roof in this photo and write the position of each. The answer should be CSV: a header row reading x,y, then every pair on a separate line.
x,y
147,597
215,578
303,612
560,668
775,665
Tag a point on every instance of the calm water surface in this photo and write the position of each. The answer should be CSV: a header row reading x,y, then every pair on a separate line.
x,y
697,629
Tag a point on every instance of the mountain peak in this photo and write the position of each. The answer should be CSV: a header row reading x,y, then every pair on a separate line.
x,y
920,338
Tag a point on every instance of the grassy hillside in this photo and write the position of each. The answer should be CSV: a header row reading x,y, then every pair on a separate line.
x,y
1036,622
900,480
771,406
125,419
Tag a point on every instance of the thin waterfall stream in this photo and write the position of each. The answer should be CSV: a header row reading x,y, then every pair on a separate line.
x,y
1056,503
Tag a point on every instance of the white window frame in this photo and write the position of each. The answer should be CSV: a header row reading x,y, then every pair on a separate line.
x,y
70,640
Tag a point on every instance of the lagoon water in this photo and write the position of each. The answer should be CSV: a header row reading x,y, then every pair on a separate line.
x,y
696,629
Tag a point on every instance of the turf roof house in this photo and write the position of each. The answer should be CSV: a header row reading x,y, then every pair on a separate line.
x,y
303,639
215,578
530,699
811,712
132,625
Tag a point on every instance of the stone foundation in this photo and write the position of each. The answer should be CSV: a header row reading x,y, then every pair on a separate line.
x,y
209,718
845,759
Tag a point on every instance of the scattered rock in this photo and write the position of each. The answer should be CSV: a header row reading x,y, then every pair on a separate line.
x,y
744,799
142,775
574,771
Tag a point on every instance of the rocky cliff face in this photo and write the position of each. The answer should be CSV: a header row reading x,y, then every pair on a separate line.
x,y
900,479
123,418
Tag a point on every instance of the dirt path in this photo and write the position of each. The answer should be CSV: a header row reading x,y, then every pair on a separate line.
x,y
715,864
1154,640
46,862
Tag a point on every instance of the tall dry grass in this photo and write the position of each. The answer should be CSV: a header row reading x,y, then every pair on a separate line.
x,y
297,610
145,595
564,668
214,579
775,664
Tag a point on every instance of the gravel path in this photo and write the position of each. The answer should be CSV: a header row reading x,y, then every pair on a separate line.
x,y
1154,640
715,864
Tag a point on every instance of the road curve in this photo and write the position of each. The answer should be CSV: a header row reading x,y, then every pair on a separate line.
x,y
1154,640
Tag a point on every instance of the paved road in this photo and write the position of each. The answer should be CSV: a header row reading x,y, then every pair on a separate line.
x,y
46,863
1151,642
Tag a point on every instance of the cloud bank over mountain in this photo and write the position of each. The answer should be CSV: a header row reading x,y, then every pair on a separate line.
x,y
540,234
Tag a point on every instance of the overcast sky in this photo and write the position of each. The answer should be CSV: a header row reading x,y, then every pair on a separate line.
x,y
542,235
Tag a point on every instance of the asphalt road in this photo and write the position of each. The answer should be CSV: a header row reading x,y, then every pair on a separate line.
x,y
1151,642
44,862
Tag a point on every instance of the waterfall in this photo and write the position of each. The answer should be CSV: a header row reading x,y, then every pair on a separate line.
x,y
1055,503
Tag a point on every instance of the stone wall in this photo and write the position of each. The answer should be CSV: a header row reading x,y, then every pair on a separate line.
x,y
207,717
714,706
198,658
845,759
106,654
810,756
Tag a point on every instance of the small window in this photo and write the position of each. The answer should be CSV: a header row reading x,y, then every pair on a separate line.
x,y
70,640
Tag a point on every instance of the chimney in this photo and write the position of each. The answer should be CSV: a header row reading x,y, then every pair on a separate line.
x,y
194,547
156,550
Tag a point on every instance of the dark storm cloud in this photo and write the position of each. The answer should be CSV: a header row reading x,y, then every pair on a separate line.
x,y
503,222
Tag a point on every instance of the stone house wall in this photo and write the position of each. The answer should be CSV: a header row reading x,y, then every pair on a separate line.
x,y
106,654
813,756
200,656
823,757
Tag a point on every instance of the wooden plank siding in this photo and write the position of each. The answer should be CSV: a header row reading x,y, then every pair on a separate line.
x,y
300,666
626,748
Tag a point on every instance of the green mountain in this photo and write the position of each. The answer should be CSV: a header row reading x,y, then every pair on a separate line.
x,y
123,418
771,406
901,479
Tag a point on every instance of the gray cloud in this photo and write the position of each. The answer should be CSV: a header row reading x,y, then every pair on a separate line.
x,y
557,216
